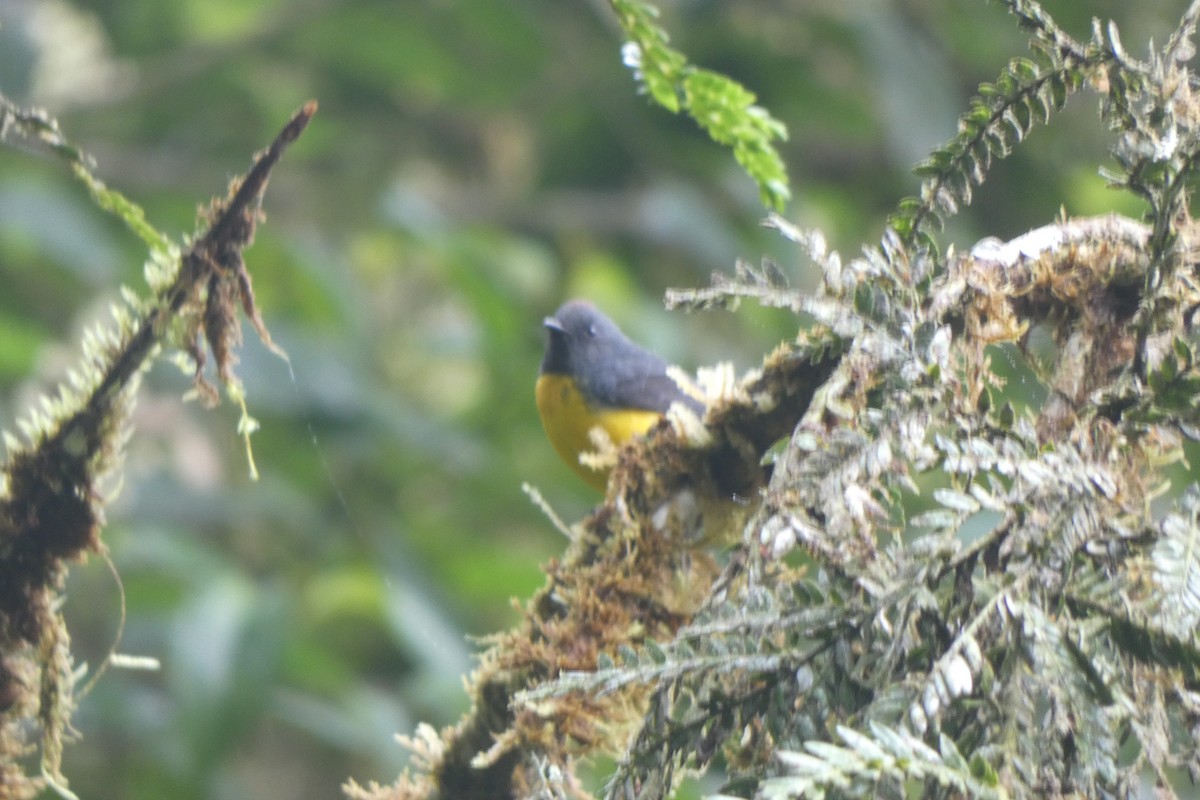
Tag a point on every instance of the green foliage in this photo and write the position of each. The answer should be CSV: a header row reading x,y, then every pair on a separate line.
x,y
128,212
724,108
33,127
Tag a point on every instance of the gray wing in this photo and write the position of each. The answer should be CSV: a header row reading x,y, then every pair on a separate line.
x,y
644,384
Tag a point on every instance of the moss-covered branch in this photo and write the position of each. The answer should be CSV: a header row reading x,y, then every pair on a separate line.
x,y
51,509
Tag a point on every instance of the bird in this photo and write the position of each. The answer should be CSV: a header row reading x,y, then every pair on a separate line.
x,y
592,375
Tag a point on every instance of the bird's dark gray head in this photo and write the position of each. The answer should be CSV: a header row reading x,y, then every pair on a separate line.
x,y
609,370
578,335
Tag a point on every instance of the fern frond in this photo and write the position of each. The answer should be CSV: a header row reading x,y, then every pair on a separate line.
x,y
875,764
1032,17
764,633
1176,558
652,665
1081,717
1025,94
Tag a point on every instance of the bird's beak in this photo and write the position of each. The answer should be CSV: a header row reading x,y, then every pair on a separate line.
x,y
553,324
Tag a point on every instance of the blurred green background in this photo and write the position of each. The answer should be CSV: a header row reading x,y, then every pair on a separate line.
x,y
472,165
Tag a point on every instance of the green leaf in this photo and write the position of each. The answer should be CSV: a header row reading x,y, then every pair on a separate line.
x,y
720,105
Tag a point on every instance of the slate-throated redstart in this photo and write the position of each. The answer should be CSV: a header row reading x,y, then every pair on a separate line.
x,y
591,376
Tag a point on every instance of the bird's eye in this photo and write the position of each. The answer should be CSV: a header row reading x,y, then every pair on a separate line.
x,y
591,331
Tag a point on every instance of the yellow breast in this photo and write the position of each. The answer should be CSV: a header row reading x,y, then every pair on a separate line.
x,y
568,420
